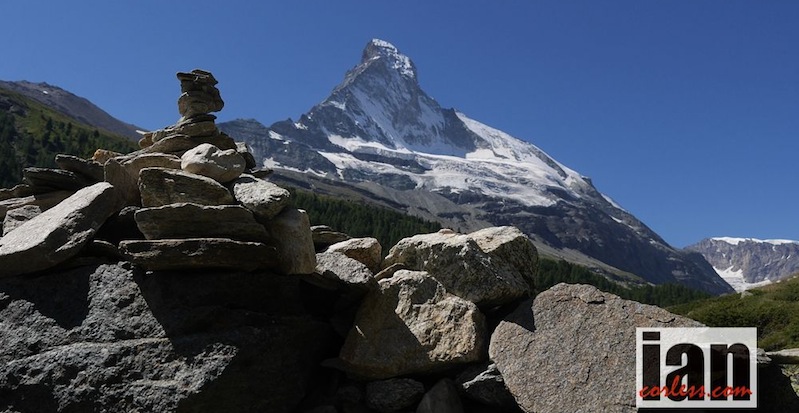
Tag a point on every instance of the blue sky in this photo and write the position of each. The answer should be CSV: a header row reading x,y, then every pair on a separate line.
x,y
685,112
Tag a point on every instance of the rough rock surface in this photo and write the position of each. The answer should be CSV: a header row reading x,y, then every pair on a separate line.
x,y
324,236
208,160
263,198
187,220
393,395
110,338
179,144
511,245
19,216
463,267
339,267
366,250
58,233
44,201
162,186
412,325
484,383
442,398
89,169
290,233
199,253
123,172
560,353
54,179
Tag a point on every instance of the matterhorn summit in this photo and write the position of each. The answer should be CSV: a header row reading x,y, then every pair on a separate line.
x,y
380,137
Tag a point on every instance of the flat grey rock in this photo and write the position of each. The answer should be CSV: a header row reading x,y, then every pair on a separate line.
x,y
58,233
187,220
199,253
163,186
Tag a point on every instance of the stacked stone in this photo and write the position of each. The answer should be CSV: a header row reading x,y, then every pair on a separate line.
x,y
199,98
191,193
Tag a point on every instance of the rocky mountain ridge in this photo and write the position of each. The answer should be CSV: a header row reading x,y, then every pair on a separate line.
x,y
749,262
76,107
379,133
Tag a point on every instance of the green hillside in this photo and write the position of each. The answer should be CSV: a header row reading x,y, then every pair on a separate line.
x,y
773,309
31,134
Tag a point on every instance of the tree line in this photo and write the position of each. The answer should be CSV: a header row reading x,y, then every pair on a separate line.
x,y
551,272
35,136
359,219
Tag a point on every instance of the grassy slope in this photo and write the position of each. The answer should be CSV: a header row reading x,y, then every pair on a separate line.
x,y
773,309
33,136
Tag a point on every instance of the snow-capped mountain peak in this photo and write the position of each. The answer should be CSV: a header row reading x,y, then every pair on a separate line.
x,y
750,262
736,241
380,131
377,49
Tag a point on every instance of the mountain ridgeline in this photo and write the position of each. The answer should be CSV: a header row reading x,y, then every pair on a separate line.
x,y
380,136
32,133
748,262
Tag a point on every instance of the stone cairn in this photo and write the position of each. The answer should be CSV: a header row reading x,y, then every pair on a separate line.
x,y
190,198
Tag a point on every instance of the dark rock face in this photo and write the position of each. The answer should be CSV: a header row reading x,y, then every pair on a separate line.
x,y
199,254
394,394
756,260
110,338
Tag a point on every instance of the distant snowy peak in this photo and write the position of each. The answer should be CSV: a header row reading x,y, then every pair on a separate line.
x,y
381,49
736,241
750,262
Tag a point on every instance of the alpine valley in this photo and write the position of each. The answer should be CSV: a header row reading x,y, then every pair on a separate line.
x,y
380,138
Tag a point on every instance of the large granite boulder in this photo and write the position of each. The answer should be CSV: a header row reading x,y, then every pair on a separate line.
x,y
208,160
58,233
263,198
560,353
350,274
464,268
411,324
510,245
162,186
366,250
110,338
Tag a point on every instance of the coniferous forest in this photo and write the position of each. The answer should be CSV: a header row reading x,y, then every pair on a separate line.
x,y
361,220
32,134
